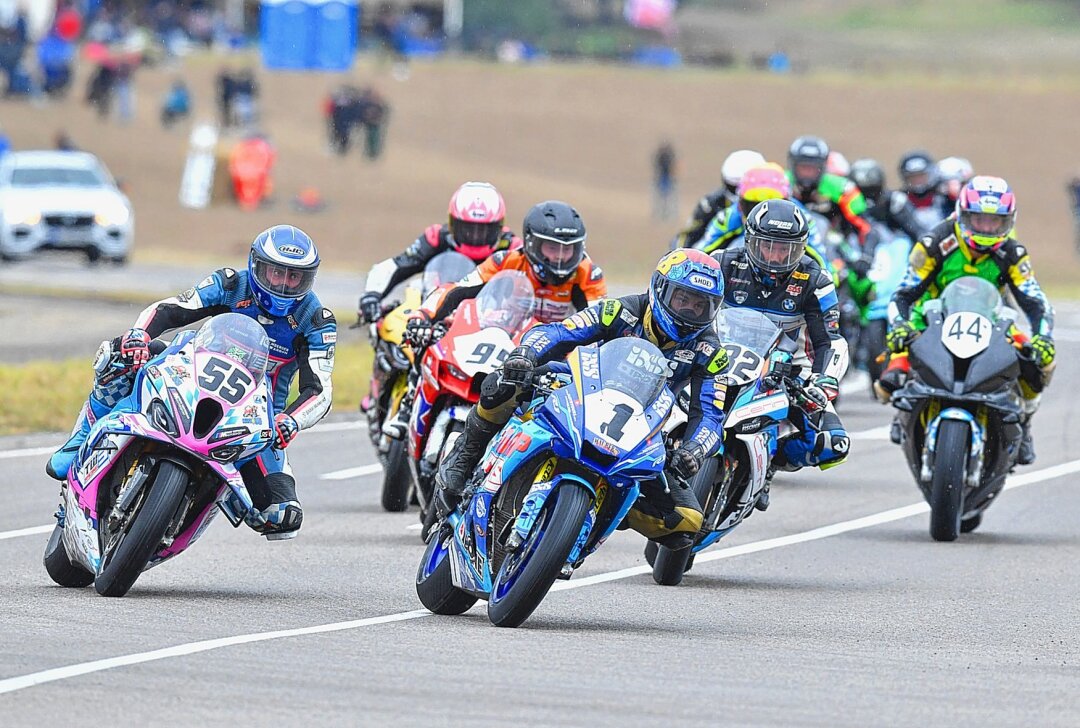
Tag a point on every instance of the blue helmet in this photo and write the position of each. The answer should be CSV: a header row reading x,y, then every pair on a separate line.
x,y
282,268
686,292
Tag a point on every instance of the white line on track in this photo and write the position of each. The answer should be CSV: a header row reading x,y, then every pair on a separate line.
x,y
347,473
84,668
25,532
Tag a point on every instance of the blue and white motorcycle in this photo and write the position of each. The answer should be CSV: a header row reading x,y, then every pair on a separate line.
x,y
554,484
729,487
887,271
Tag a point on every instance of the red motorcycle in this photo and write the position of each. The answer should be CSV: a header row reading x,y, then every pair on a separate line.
x,y
477,339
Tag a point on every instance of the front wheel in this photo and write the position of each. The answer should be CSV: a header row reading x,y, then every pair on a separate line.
x,y
396,478
435,584
60,567
670,566
143,532
947,485
527,574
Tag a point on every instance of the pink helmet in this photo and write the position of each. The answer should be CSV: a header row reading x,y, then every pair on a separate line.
x,y
765,182
837,164
477,211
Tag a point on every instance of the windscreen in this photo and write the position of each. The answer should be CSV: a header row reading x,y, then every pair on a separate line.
x,y
635,367
448,267
239,338
973,294
55,177
747,327
506,301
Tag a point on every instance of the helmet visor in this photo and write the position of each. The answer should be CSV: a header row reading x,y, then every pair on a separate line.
x,y
475,234
285,281
687,306
808,174
561,257
986,223
774,255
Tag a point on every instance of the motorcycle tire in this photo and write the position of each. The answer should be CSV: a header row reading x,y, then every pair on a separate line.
x,y
546,550
435,584
143,531
397,482
670,566
59,566
947,485
967,525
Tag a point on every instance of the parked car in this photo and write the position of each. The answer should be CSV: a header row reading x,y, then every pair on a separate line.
x,y
62,201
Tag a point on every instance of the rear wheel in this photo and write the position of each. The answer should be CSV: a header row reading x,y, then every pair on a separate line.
x,y
60,567
527,574
143,531
947,485
670,566
396,478
435,584
967,525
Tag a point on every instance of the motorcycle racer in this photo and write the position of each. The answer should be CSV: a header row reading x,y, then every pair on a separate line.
x,y
276,291
474,228
976,240
676,314
837,198
772,274
731,172
891,208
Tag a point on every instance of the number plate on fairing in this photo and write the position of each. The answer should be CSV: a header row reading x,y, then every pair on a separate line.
x,y
966,334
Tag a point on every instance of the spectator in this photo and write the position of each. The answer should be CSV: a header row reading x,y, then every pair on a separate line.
x,y
341,112
177,104
245,94
99,88
665,202
224,97
54,57
372,112
14,36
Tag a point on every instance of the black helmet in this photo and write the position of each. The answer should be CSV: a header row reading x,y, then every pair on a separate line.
x,y
776,233
918,172
806,159
554,241
869,176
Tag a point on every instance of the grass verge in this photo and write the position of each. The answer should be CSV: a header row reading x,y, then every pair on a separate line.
x,y
45,396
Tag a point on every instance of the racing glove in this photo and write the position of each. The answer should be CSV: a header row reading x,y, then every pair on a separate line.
x,y
419,330
370,308
135,348
519,365
285,430
1044,349
900,336
821,390
684,461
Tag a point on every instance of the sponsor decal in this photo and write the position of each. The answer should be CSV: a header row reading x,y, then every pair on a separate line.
x,y
293,251
948,245
590,364
186,295
628,317
246,303
788,305
250,411
330,352
481,511
596,274
782,224
794,290
610,311
227,433
604,445
799,275
153,371
329,337
702,281
292,322
206,282
684,355
706,348
840,444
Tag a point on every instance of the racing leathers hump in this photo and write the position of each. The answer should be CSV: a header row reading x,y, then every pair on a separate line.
x,y
700,361
302,342
435,239
940,257
803,303
554,302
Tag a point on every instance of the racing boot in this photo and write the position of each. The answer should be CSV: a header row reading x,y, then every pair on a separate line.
x,y
1026,454
284,514
462,460
62,460
670,519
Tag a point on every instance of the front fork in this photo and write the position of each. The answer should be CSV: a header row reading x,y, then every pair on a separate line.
x,y
975,453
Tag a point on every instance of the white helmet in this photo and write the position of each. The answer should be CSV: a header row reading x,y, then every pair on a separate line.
x,y
735,167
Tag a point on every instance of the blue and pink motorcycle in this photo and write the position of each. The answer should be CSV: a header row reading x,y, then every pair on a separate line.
x,y
554,484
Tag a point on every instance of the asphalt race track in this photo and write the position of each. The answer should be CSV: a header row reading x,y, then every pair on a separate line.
x,y
833,608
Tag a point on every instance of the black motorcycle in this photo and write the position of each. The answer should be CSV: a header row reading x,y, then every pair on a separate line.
x,y
960,411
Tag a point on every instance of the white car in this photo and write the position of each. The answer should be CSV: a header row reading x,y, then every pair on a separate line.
x,y
62,200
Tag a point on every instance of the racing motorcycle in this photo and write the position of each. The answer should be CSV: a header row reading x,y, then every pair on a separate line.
x,y
729,487
886,272
480,335
390,375
960,413
154,472
554,484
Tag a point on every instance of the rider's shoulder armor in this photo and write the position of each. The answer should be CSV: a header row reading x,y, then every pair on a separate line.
x,y
941,241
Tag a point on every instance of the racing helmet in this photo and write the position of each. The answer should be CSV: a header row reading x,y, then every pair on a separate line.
x,y
776,235
476,216
281,268
836,163
985,213
685,293
735,166
554,241
953,174
764,182
807,158
869,176
918,173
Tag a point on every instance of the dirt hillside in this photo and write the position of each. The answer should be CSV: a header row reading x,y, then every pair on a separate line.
x,y
583,134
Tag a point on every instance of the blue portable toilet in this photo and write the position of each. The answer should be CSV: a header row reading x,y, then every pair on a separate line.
x,y
309,35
